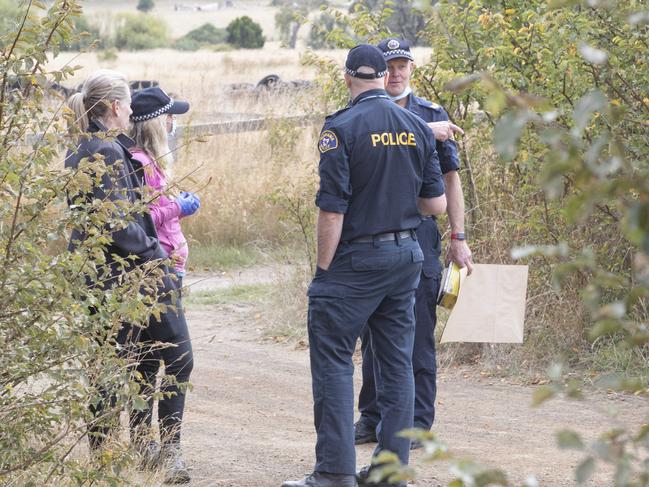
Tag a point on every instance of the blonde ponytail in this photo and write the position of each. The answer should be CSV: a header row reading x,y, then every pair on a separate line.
x,y
100,89
76,104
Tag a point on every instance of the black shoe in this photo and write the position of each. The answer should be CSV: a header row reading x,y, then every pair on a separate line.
x,y
320,479
416,444
176,470
364,432
364,475
148,454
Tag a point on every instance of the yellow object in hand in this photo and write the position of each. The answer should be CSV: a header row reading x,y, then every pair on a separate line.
x,y
450,287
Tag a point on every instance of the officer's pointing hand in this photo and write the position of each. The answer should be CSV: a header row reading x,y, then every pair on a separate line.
x,y
444,130
460,253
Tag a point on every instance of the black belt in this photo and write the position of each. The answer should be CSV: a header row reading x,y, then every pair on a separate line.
x,y
384,237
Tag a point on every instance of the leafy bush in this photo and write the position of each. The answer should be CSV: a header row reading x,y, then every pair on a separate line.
x,y
107,55
245,33
9,21
325,32
145,5
205,35
86,34
57,354
141,31
405,18
186,44
291,16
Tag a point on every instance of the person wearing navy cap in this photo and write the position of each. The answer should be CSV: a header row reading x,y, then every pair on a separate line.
x,y
152,109
400,63
379,173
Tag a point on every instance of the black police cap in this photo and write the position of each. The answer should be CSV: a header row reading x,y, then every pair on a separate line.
x,y
153,102
393,48
365,55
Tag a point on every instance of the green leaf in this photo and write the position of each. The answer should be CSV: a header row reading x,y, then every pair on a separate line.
x,y
587,105
542,394
491,477
508,132
555,371
573,390
643,433
592,54
139,403
623,472
385,457
585,470
604,327
569,440
604,450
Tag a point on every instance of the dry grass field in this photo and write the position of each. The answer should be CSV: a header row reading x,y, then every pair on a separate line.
x,y
236,174
182,21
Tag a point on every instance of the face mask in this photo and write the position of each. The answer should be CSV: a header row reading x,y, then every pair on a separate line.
x,y
174,126
405,93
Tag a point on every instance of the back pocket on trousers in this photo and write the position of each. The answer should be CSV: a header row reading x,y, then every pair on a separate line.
x,y
362,261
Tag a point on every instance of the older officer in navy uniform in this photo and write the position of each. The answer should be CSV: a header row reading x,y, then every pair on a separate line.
x,y
400,65
378,174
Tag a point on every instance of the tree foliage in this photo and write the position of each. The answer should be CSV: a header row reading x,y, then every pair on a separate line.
x,y
243,32
291,16
57,323
141,31
205,35
403,18
8,16
86,34
145,5
325,30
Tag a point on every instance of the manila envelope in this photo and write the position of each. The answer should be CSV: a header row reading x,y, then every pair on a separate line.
x,y
490,306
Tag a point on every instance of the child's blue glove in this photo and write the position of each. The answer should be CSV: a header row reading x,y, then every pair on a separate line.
x,y
189,203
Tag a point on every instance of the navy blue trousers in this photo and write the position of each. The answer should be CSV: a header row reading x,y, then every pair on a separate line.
x,y
178,361
424,362
142,347
369,284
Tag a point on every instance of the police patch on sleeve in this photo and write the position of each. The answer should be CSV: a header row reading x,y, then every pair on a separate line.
x,y
328,141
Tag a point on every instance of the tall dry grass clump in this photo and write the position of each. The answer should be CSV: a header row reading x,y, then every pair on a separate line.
x,y
238,177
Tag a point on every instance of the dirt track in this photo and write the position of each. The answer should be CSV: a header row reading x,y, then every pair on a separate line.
x,y
249,417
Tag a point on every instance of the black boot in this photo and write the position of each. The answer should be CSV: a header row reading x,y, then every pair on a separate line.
x,y
320,479
176,470
364,432
148,454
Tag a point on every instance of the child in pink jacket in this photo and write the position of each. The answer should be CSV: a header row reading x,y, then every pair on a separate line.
x,y
153,113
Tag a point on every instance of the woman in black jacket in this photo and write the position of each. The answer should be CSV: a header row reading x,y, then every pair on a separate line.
x,y
102,111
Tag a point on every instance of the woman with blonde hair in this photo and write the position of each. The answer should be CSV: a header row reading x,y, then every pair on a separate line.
x,y
102,112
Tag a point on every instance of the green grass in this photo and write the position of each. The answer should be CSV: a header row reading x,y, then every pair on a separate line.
x,y
618,357
248,293
223,257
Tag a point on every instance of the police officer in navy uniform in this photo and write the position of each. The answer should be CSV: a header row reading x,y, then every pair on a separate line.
x,y
379,173
400,65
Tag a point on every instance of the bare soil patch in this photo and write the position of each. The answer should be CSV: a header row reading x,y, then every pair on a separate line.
x,y
249,417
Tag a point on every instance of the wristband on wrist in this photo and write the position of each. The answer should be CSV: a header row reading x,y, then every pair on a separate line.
x,y
458,236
